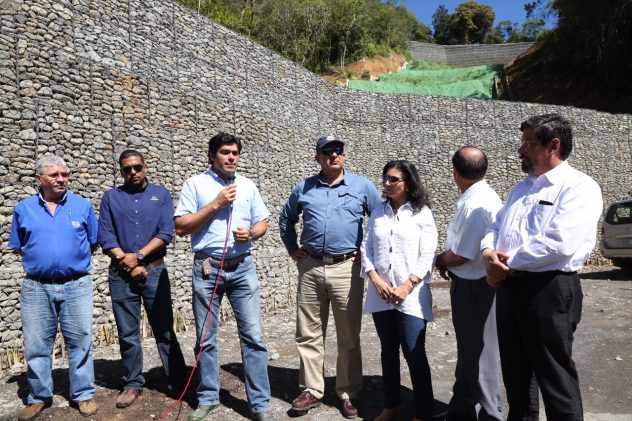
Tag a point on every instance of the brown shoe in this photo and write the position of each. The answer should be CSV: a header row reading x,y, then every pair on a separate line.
x,y
348,410
305,402
31,411
88,408
127,397
390,414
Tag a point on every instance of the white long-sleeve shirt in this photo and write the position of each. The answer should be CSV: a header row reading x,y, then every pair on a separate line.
x,y
396,246
548,222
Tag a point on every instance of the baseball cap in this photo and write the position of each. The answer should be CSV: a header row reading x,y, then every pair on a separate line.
x,y
325,140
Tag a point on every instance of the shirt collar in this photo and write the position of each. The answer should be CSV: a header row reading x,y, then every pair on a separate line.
x,y
61,201
405,207
216,176
553,176
341,182
131,191
471,191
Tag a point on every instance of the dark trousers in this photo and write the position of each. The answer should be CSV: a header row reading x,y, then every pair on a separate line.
x,y
395,328
155,292
537,314
477,386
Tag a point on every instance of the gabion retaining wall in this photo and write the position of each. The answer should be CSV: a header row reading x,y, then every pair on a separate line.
x,y
88,78
467,55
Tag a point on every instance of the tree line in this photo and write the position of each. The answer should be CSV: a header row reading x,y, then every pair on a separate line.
x,y
319,34
472,23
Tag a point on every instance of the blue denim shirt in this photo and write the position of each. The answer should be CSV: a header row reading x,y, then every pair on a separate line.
x,y
130,219
248,209
54,245
332,216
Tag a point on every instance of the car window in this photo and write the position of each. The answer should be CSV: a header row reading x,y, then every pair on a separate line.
x,y
620,213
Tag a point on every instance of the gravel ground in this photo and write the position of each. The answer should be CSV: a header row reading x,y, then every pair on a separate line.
x,y
603,354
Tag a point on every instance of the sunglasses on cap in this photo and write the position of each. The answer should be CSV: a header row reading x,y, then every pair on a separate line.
x,y
128,168
329,150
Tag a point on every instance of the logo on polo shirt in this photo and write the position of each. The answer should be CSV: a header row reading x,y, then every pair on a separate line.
x,y
76,224
154,198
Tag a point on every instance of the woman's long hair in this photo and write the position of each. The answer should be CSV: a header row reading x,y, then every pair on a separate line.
x,y
417,195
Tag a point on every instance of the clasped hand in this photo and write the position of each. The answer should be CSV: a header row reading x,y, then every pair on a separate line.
x,y
389,294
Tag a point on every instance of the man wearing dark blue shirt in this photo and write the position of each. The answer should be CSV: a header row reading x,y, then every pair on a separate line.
x,y
55,232
333,203
135,226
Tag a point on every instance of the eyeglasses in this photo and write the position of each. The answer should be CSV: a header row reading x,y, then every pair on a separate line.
x,y
530,142
58,174
391,179
329,150
128,168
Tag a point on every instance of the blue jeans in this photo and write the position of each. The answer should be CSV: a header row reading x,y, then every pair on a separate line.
x,y
155,292
395,328
41,307
241,286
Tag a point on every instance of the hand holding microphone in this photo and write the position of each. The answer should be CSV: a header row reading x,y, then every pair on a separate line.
x,y
228,194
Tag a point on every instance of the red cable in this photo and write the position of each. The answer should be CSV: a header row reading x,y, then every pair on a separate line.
x,y
207,327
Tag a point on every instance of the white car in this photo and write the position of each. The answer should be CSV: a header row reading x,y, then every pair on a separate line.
x,y
616,233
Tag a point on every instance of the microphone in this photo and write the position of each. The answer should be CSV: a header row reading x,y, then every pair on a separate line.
x,y
230,180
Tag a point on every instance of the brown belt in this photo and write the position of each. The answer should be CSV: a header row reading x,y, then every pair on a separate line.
x,y
228,263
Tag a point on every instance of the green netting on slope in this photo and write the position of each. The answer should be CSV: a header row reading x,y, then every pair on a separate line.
x,y
427,78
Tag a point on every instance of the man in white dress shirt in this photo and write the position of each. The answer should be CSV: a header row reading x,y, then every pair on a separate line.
x,y
543,234
476,391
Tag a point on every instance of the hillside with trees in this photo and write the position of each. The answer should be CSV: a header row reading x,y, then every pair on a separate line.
x,y
319,34
586,61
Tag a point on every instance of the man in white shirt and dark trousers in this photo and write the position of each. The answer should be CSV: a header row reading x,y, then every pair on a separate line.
x,y
476,391
543,234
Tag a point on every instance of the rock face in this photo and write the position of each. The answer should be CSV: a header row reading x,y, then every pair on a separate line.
x,y
86,79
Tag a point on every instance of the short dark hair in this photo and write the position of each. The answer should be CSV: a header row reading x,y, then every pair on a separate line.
x,y
417,195
130,152
549,126
221,139
471,169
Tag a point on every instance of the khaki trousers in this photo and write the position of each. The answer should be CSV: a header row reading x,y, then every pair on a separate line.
x,y
320,285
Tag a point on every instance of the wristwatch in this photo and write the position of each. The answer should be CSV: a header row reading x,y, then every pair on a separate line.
x,y
140,257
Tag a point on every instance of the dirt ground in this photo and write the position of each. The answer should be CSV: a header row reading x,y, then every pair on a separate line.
x,y
603,353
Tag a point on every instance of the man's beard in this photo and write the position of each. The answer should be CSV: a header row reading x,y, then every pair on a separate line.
x,y
525,165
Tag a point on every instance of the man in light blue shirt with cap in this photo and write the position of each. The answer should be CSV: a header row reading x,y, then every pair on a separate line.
x,y
333,204
224,213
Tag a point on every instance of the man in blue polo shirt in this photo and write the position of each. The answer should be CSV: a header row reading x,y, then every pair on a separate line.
x,y
224,214
333,203
55,232
135,226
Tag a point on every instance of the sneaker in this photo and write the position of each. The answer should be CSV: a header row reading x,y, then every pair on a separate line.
x,y
88,408
32,410
202,412
262,416
128,397
305,402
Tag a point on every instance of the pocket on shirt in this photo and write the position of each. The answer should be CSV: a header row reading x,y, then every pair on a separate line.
x,y
539,218
352,203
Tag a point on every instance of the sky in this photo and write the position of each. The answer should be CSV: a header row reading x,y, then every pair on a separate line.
x,y
512,10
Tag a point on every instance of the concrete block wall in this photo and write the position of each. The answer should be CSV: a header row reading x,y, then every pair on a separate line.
x,y
88,78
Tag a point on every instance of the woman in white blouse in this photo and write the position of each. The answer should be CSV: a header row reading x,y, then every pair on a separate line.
x,y
397,256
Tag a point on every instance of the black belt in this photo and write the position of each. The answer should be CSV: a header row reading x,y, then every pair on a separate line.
x,y
55,279
228,263
329,259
